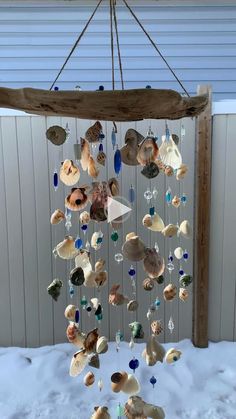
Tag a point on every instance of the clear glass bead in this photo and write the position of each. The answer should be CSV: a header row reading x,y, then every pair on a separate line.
x,y
170,267
148,195
171,325
118,257
182,131
156,247
100,384
155,193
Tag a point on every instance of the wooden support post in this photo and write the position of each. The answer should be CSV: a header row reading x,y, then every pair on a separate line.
x,y
202,223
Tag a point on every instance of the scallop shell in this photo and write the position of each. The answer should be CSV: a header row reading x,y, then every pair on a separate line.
x,y
148,284
181,172
132,305
176,201
74,335
169,153
147,151
85,154
84,217
57,216
70,312
102,345
170,230
178,252
93,170
153,263
101,412
118,380
185,229
91,341
100,265
169,292
77,199
69,173
78,363
134,249
93,133
183,294
89,379
172,355
66,249
131,385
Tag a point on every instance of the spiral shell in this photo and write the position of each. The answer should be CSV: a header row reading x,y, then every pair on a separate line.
x,y
89,379
148,284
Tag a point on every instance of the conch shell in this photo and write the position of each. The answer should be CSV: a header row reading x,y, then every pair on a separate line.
x,y
89,379
153,223
115,298
170,230
101,412
66,249
185,229
172,355
78,363
153,263
148,151
57,216
85,154
93,170
69,173
133,249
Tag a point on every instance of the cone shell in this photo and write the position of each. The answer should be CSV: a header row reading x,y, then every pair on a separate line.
x,y
134,249
170,230
118,380
93,170
169,292
148,151
172,355
89,379
131,386
101,413
114,186
100,265
70,312
153,263
156,327
178,252
132,305
77,199
78,363
102,345
84,217
185,229
183,294
57,216
176,201
101,158
56,134
69,173
169,153
66,249
94,361
91,341
92,134
181,172
85,154
148,284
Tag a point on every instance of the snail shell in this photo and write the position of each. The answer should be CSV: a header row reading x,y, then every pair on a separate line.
x,y
89,379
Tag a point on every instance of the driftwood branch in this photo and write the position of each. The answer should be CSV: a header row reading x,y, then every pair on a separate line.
x,y
107,105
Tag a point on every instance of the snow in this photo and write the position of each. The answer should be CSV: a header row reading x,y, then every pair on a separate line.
x,y
34,383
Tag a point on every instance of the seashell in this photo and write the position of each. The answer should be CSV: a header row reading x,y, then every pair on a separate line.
x,y
116,298
54,289
100,265
95,302
136,408
185,229
147,151
77,199
118,380
129,152
134,249
117,223
157,349
93,170
74,335
89,278
70,312
102,345
84,217
94,361
101,278
96,240
133,137
178,252
185,280
56,134
78,363
172,355
176,201
101,412
69,173
153,223
170,230
132,305
114,186
168,171
169,292
131,385
93,133
91,341
153,263
137,330
181,172
148,284
156,327
154,412
85,154
183,294
175,138
169,153
89,379
101,158
82,260
150,170
130,236
77,276
57,216
66,249
147,220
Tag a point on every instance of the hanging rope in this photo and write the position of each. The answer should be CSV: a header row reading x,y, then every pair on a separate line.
x,y
76,44
155,46
118,46
112,46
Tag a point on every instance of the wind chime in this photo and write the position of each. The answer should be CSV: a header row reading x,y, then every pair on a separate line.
x,y
88,203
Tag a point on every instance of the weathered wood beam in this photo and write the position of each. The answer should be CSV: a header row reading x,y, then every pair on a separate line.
x,y
108,105
202,222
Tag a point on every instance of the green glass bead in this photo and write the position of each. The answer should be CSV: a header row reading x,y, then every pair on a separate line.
x,y
114,236
119,410
99,316
83,301
160,279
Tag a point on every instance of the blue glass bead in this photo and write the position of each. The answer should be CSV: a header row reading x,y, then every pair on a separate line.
x,y
84,227
117,161
152,211
134,364
167,133
76,316
78,243
68,212
181,272
153,381
148,86
113,138
170,258
71,291
183,199
56,88
100,147
131,194
101,87
99,240
131,271
185,255
55,180
157,302
168,196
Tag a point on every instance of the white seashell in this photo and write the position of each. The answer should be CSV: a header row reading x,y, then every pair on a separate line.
x,y
94,240
70,312
172,355
178,252
185,229
78,363
95,302
82,260
157,223
66,249
131,386
169,153
102,345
